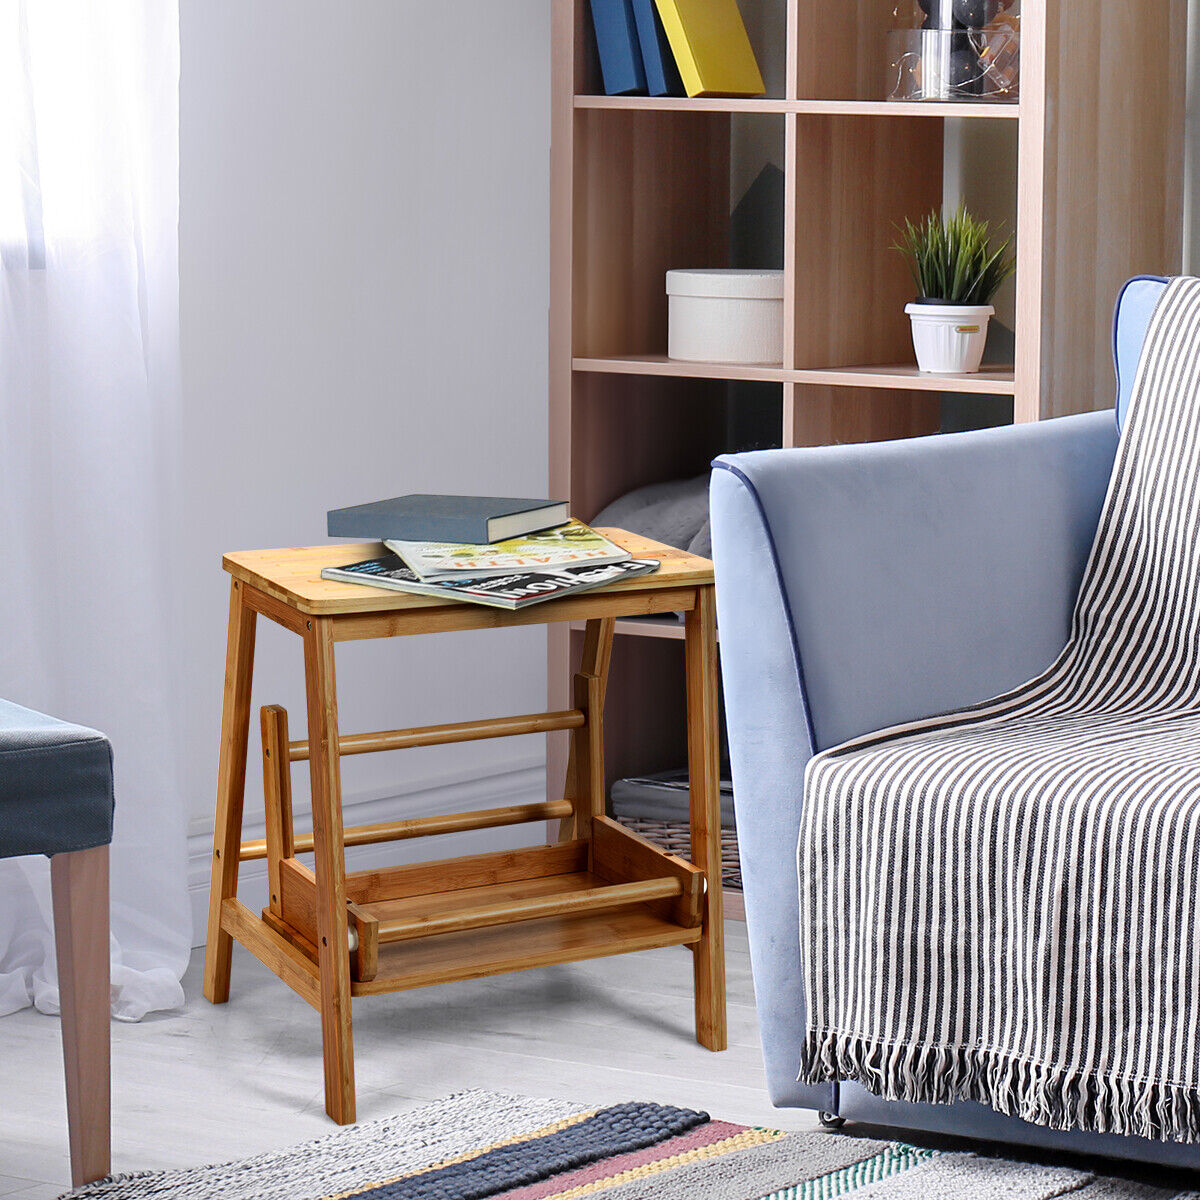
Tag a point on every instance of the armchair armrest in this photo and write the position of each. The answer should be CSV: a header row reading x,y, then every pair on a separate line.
x,y
863,585
918,575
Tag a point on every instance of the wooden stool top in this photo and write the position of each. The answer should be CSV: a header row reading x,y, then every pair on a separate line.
x,y
293,576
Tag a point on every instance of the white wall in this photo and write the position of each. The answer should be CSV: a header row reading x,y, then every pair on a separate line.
x,y
364,262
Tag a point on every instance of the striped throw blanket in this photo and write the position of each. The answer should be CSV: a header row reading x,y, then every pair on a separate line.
x,y
1001,904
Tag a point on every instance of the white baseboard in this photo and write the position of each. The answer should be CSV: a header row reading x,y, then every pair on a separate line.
x,y
523,784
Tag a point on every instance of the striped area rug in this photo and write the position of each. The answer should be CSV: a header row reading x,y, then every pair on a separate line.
x,y
488,1146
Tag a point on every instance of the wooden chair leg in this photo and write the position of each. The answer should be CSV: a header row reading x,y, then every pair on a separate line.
x,y
704,767
333,950
79,882
594,662
277,795
231,791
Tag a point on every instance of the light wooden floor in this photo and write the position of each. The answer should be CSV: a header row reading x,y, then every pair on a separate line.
x,y
209,1084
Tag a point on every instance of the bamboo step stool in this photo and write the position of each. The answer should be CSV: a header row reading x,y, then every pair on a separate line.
x,y
601,889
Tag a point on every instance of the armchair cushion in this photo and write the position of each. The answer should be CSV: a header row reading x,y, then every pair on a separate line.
x,y
56,784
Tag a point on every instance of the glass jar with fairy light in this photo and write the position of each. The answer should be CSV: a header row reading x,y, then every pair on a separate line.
x,y
955,50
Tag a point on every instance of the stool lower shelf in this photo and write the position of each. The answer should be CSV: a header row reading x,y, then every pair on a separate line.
x,y
504,948
610,893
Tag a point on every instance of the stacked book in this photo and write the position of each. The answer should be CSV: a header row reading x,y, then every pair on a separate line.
x,y
489,550
669,47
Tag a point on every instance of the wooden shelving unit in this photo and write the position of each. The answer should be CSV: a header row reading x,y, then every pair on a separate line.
x,y
642,184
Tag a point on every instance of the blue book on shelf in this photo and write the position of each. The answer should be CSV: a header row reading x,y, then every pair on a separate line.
x,y
662,75
617,42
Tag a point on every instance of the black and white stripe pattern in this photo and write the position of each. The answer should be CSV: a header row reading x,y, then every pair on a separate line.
x,y
1000,904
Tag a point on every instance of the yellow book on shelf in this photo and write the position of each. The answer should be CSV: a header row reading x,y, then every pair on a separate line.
x,y
711,48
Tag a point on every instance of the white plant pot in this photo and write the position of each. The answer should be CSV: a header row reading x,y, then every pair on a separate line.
x,y
949,338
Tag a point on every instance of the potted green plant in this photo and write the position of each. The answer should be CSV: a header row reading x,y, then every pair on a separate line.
x,y
958,271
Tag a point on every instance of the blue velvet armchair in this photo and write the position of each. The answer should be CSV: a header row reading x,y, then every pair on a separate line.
x,y
863,585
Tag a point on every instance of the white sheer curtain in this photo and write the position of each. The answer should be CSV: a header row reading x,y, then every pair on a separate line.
x,y
89,396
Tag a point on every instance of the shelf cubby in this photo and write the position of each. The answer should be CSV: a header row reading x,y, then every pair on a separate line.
x,y
766,24
636,430
641,214
838,54
853,182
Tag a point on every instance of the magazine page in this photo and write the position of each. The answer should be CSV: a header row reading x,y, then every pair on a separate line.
x,y
564,546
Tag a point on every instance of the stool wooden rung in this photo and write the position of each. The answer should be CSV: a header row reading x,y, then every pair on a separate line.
x,y
395,831
531,908
441,735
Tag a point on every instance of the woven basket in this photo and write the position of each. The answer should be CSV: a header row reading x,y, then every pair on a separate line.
x,y
675,837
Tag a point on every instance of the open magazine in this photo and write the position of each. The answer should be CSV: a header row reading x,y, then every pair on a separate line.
x,y
517,589
568,545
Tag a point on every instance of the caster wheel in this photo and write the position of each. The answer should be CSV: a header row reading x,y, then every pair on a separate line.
x,y
830,1121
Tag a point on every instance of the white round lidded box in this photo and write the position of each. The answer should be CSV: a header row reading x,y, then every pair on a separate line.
x,y
725,315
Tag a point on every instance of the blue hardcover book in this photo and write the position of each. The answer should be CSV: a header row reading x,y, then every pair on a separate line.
x,y
477,520
617,42
662,75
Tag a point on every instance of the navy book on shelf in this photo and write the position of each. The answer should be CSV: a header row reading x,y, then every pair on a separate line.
x,y
617,43
662,75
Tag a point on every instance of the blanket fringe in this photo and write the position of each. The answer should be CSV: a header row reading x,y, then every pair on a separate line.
x,y
1057,1099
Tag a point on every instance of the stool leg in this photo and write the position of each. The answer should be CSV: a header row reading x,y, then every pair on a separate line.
x,y
597,655
704,767
79,882
333,951
231,791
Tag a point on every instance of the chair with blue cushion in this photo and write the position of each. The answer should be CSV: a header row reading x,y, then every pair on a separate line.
x,y
861,586
56,798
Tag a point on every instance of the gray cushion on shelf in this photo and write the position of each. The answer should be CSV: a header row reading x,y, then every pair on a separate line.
x,y
673,513
56,785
